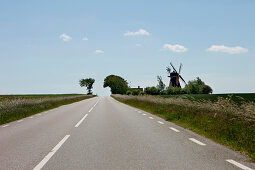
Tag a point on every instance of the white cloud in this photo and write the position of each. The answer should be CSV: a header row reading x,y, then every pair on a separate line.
x,y
99,51
225,49
138,45
85,38
65,37
175,48
140,32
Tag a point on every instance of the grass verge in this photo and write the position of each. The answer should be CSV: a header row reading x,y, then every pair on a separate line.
x,y
223,121
14,107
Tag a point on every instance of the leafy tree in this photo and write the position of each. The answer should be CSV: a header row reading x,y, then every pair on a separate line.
x,y
117,84
197,86
87,83
161,86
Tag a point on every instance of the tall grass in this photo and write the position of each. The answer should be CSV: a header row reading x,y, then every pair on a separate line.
x,y
223,120
17,107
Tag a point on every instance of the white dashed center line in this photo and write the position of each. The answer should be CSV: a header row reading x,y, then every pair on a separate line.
x,y
238,164
160,122
31,117
176,130
93,106
78,124
20,120
144,114
52,152
197,142
39,114
151,118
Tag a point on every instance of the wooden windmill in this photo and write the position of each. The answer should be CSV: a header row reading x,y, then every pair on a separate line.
x,y
175,76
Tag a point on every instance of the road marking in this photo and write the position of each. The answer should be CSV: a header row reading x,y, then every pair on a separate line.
x,y
93,106
84,117
20,120
151,117
174,129
31,117
52,152
144,114
39,114
238,164
197,142
5,126
160,122
139,111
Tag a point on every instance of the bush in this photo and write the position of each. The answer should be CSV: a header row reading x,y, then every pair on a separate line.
x,y
136,92
151,90
128,92
175,90
206,89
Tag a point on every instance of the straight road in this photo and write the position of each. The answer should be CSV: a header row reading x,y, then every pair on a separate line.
x,y
101,133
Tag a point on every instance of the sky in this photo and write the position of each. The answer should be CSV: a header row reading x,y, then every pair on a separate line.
x,y
47,46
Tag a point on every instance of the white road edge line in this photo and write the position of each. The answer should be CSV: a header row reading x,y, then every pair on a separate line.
x,y
31,117
52,152
5,126
197,142
78,124
238,164
160,122
151,117
176,130
39,114
139,111
20,120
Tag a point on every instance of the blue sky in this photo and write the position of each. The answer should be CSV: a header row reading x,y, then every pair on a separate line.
x,y
47,46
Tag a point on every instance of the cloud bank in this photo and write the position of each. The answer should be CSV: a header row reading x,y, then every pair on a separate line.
x,y
140,32
175,48
65,37
225,49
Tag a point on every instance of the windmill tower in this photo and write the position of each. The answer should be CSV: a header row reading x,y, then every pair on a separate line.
x,y
175,76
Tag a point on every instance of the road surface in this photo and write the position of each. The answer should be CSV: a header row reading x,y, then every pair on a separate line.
x,y
101,133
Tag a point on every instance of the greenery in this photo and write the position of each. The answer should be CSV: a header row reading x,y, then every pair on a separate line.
x,y
117,84
197,86
88,82
238,98
14,107
151,90
222,120
161,86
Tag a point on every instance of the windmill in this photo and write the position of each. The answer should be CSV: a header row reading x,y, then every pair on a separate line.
x,y
175,76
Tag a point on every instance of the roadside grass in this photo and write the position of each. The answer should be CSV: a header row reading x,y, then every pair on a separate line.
x,y
238,98
223,121
14,107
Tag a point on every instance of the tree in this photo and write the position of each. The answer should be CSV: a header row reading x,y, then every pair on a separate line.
x,y
197,86
151,90
161,86
87,83
117,84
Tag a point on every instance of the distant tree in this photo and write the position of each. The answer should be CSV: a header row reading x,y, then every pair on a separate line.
x,y
161,86
151,90
117,84
87,83
197,86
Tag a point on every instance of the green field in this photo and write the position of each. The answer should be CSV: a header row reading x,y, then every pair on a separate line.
x,y
238,98
14,107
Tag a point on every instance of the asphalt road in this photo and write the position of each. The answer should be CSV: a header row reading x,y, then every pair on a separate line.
x,y
101,133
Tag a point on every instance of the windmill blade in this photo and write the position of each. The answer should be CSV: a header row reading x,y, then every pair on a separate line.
x,y
180,68
183,80
173,67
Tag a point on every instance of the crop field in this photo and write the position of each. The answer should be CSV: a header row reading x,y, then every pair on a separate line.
x,y
14,107
227,119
